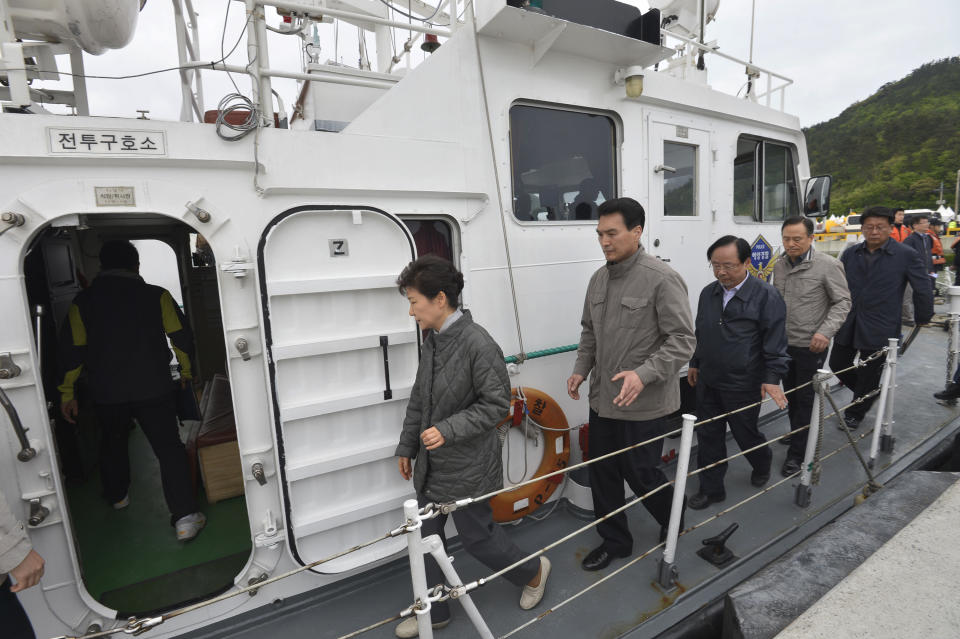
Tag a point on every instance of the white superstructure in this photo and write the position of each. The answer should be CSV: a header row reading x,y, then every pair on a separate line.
x,y
482,150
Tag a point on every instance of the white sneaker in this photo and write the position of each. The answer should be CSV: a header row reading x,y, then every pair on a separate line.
x,y
190,526
123,503
408,628
531,595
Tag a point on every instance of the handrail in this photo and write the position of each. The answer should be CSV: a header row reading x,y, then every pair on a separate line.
x,y
519,358
26,451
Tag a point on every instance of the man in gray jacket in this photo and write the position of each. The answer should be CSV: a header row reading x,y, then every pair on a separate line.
x,y
19,560
637,334
814,287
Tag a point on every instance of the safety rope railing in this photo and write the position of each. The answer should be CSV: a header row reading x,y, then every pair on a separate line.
x,y
449,507
440,592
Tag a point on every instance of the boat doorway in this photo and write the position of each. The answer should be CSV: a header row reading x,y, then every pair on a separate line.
x,y
129,557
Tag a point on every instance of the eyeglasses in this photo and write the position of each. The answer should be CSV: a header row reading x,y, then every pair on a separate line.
x,y
724,267
875,228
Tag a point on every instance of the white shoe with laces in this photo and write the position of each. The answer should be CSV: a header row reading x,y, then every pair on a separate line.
x,y
190,526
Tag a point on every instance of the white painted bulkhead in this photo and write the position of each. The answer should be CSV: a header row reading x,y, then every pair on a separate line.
x,y
422,149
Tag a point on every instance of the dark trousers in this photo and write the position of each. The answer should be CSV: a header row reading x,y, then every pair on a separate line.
x,y
485,541
804,363
14,623
158,419
638,467
860,380
712,437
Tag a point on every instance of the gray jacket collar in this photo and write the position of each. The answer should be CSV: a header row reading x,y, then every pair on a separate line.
x,y
618,269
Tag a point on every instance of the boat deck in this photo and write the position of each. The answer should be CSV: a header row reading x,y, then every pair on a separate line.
x,y
629,603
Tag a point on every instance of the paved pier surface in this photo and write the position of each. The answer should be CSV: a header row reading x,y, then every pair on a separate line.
x,y
907,588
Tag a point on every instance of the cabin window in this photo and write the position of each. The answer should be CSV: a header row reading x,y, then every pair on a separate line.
x,y
563,163
772,165
680,186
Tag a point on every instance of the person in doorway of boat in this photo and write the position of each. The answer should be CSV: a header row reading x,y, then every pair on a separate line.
x,y
814,288
878,270
637,332
460,394
19,560
922,243
741,356
116,332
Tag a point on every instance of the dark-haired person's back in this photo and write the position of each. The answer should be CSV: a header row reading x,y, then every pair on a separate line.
x,y
116,332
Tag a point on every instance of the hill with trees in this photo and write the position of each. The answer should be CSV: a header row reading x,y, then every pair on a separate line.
x,y
895,147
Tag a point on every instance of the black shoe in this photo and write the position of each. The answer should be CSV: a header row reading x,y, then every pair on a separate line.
x,y
599,558
786,440
952,391
758,478
852,423
790,466
702,500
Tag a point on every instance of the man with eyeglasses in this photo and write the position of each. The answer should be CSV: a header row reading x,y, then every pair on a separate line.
x,y
878,270
815,291
741,356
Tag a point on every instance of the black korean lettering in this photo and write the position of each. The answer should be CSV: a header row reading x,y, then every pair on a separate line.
x,y
67,141
88,140
109,139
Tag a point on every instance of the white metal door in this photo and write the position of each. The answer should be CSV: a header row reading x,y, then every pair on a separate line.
x,y
333,315
680,216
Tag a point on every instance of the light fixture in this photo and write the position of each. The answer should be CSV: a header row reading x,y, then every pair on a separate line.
x,y
430,43
634,85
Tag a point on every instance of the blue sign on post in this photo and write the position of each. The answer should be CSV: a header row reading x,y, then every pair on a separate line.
x,y
762,259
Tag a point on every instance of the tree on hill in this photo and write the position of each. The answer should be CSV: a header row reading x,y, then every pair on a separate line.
x,y
895,147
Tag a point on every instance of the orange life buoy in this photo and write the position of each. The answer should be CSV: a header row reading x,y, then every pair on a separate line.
x,y
544,411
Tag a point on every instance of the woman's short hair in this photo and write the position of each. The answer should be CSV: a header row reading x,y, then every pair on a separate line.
x,y
431,274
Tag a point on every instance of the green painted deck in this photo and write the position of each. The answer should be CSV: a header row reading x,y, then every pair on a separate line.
x,y
131,560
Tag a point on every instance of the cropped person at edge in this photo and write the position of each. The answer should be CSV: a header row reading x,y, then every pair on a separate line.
x,y
460,394
637,333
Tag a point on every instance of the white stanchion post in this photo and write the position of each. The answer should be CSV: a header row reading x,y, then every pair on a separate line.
x,y
954,342
804,490
886,436
418,571
885,389
435,547
667,573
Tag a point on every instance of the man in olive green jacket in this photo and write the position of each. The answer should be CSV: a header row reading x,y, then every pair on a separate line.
x,y
637,334
814,287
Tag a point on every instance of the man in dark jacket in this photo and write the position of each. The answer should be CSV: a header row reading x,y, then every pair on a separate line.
x,y
637,334
922,243
878,270
117,331
741,356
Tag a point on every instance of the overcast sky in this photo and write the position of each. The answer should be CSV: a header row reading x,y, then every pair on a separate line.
x,y
836,51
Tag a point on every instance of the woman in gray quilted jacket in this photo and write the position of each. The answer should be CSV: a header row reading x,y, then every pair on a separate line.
x,y
461,393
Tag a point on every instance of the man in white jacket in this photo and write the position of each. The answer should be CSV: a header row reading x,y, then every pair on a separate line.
x,y
19,560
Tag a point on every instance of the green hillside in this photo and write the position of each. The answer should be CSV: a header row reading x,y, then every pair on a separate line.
x,y
896,146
